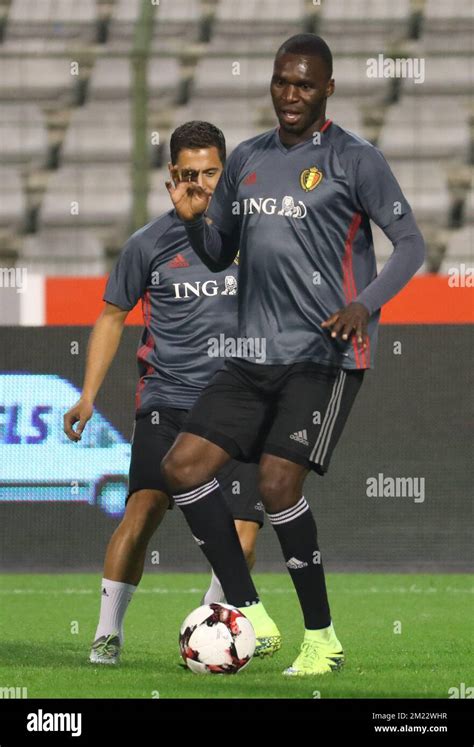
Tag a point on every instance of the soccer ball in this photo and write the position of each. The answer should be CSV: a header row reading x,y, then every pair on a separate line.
x,y
216,639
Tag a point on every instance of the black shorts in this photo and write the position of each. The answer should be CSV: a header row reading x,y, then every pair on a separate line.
x,y
154,434
296,411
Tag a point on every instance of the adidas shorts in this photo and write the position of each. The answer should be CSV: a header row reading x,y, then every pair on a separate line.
x,y
296,411
150,442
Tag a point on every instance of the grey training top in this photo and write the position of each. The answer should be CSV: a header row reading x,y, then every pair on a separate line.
x,y
190,313
301,219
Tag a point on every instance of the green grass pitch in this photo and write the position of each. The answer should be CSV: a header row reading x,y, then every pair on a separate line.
x,y
47,623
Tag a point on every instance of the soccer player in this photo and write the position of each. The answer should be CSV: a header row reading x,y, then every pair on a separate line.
x,y
297,201
184,308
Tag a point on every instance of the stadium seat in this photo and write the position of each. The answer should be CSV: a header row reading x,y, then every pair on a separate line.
x,y
461,245
226,76
363,27
424,184
350,74
102,193
112,78
159,200
62,251
448,27
347,19
122,24
422,126
23,135
35,78
12,198
447,75
62,19
177,19
100,131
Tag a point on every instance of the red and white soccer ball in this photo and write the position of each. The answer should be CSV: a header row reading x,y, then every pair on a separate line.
x,y
216,639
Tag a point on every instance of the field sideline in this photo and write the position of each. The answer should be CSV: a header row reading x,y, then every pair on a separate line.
x,y
40,650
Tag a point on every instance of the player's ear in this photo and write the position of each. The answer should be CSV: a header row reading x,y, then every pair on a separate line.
x,y
330,88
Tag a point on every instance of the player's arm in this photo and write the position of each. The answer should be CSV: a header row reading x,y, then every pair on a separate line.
x,y
103,345
380,196
214,236
126,285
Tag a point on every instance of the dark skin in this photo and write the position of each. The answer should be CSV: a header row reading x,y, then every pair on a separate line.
x,y
299,88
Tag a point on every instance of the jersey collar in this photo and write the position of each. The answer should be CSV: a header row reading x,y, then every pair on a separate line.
x,y
285,150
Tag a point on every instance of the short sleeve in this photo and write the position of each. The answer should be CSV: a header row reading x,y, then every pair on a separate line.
x,y
129,277
377,190
222,209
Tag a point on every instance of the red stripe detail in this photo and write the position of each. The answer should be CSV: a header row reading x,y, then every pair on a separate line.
x,y
326,125
362,357
144,350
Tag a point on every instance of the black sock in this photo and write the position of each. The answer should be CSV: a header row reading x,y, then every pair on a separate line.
x,y
213,528
297,534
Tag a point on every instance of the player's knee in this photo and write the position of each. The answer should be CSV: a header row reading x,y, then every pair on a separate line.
x,y
145,509
277,489
179,472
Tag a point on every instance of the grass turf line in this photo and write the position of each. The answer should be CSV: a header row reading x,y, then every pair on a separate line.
x,y
39,651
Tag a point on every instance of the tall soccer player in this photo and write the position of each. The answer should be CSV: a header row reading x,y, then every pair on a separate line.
x,y
297,201
185,307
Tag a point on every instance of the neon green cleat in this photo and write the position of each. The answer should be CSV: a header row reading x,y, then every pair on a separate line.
x,y
321,652
267,645
268,637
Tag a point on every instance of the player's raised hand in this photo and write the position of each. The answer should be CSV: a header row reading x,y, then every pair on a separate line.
x,y
351,320
189,198
80,413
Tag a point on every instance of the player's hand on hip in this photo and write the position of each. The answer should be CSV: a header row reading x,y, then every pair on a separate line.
x,y
189,199
80,413
351,320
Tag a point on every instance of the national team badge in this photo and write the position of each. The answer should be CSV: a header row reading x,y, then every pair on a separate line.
x,y
310,178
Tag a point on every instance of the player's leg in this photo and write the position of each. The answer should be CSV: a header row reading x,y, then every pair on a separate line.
x,y
125,555
247,532
226,417
281,486
313,407
189,469
123,569
239,484
145,508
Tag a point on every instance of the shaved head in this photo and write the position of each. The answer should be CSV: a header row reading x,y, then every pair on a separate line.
x,y
308,45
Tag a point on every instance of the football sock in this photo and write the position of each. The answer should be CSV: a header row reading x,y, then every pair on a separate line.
x,y
213,528
325,635
296,531
215,592
115,599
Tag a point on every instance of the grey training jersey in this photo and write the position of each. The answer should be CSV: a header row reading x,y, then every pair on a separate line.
x,y
302,215
189,312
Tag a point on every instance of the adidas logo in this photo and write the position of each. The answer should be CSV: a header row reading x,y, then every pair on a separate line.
x,y
178,261
301,437
200,542
259,506
251,178
293,564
